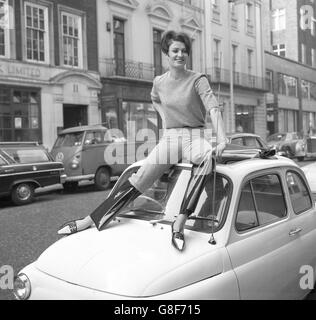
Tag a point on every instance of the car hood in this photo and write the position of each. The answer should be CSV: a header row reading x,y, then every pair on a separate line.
x,y
131,258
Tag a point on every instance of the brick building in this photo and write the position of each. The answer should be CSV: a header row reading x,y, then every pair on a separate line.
x,y
48,68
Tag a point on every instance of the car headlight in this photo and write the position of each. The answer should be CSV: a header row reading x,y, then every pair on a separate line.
x,y
22,287
75,162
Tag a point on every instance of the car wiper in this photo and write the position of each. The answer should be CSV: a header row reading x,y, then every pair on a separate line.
x,y
208,218
146,210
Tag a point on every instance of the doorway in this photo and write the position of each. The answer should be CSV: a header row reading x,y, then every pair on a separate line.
x,y
75,115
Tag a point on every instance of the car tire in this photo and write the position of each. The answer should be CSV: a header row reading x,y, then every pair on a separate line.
x,y
102,179
23,193
300,158
70,185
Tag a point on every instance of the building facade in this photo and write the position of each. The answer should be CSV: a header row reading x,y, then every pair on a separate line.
x,y
129,34
48,68
235,62
290,44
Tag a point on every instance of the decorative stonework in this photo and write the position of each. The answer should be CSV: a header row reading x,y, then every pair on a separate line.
x,y
159,10
128,4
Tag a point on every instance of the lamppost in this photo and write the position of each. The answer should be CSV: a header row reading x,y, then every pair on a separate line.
x,y
231,72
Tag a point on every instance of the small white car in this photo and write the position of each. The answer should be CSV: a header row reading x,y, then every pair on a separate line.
x,y
310,173
250,243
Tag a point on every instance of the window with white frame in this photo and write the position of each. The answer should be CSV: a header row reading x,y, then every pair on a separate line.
x,y
71,39
249,12
250,61
36,32
216,52
279,49
303,53
313,54
4,29
278,19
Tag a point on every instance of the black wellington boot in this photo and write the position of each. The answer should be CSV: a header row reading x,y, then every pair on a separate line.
x,y
108,209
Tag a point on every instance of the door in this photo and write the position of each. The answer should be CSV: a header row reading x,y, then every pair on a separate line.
x,y
303,225
75,115
263,254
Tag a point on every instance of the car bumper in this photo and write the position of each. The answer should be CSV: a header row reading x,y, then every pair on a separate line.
x,y
63,178
79,178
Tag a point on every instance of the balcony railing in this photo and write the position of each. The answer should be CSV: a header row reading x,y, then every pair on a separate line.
x,y
239,79
132,69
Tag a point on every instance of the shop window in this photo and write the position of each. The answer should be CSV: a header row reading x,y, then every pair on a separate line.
x,y
245,121
19,115
287,85
138,116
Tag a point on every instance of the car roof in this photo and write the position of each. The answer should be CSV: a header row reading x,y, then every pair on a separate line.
x,y
82,128
241,134
243,167
18,143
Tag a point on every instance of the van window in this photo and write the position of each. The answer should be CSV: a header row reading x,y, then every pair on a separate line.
x,y
69,139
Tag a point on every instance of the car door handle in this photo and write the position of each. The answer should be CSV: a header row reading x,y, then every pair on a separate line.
x,y
295,231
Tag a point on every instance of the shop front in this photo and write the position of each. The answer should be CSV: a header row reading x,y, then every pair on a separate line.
x,y
37,101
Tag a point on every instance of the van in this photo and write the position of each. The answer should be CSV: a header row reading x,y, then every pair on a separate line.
x,y
94,153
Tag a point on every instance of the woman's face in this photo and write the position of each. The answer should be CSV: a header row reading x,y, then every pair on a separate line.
x,y
177,54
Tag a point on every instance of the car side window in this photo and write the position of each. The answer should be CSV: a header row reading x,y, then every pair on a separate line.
x,y
246,215
262,201
299,194
251,142
238,141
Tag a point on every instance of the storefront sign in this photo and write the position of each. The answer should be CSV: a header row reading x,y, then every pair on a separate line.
x,y
19,70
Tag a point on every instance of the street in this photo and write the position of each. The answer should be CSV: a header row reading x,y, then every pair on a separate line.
x,y
26,231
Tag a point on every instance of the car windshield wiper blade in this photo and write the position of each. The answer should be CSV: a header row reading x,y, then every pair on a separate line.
x,y
208,218
147,210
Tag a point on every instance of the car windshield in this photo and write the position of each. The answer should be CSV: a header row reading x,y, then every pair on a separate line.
x,y
163,200
69,139
27,155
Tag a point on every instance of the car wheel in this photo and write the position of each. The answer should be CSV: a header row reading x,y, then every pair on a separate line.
x,y
70,185
22,193
300,158
102,179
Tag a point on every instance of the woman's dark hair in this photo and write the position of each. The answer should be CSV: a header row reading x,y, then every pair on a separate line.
x,y
170,36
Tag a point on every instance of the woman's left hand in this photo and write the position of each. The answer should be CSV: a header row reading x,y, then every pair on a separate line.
x,y
219,149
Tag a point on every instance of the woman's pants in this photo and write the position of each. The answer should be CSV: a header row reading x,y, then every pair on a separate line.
x,y
175,145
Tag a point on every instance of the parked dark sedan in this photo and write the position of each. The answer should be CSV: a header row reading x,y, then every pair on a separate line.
x,y
25,166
